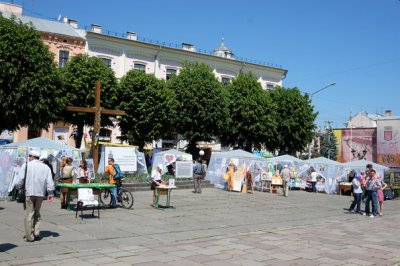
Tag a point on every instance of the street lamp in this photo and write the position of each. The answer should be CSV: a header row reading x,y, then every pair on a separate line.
x,y
327,86
312,94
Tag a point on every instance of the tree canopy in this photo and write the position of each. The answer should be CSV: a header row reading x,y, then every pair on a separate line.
x,y
295,120
30,91
252,114
202,108
149,107
79,77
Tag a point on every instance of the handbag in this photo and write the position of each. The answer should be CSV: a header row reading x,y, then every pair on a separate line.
x,y
21,196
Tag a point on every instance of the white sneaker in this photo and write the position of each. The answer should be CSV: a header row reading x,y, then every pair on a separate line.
x,y
371,216
364,213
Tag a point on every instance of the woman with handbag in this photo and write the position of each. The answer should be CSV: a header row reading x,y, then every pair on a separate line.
x,y
67,174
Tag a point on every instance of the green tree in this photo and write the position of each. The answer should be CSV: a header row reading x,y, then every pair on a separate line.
x,y
329,145
30,91
149,107
202,109
252,114
295,118
79,77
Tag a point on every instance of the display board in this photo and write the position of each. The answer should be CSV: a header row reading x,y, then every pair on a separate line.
x,y
183,169
7,157
125,157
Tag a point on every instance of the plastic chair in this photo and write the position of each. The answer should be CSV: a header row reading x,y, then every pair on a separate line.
x,y
86,199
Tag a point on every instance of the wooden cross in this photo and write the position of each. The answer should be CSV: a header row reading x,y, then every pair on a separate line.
x,y
98,111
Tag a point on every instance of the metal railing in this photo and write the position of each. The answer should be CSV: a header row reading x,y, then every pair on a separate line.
x,y
177,46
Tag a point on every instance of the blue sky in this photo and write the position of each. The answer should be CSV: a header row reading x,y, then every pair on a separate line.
x,y
355,43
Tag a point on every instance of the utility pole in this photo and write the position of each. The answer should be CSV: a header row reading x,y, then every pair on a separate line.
x,y
311,95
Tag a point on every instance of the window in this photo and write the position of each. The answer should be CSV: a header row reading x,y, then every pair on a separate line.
x,y
105,135
139,66
170,72
63,57
270,86
225,80
107,61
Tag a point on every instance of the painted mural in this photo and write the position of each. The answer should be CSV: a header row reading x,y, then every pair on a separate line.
x,y
388,142
362,141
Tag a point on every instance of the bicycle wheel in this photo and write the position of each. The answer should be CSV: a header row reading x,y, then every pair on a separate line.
x,y
105,197
126,199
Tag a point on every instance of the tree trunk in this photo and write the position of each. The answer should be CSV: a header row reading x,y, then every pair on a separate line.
x,y
192,149
78,135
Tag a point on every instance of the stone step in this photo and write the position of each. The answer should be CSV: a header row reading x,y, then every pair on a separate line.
x,y
144,186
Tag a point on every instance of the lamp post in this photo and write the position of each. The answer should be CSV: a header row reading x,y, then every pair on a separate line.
x,y
327,86
312,94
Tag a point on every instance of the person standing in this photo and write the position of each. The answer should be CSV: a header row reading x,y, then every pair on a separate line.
x,y
313,180
83,174
68,173
156,181
198,175
357,192
286,175
111,172
38,180
380,195
372,186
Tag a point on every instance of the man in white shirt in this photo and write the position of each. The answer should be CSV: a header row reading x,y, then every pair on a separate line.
x,y
313,180
286,175
38,181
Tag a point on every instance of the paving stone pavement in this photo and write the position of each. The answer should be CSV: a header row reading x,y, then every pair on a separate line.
x,y
213,228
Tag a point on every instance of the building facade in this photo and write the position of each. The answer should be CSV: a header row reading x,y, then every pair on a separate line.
x,y
64,42
123,52
371,137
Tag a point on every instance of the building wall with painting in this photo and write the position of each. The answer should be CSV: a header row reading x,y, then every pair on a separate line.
x,y
388,141
358,140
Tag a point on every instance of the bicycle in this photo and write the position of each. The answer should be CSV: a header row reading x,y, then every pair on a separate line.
x,y
124,196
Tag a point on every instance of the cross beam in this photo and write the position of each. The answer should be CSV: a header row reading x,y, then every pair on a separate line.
x,y
98,111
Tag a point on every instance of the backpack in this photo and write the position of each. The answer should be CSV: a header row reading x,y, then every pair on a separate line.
x,y
117,172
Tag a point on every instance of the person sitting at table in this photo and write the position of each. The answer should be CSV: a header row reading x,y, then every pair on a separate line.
x,y
156,181
68,172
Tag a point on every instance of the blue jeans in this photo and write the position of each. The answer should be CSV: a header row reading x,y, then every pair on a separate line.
x,y
375,208
357,201
372,196
114,192
313,187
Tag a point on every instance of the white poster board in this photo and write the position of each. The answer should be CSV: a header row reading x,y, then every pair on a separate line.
x,y
125,157
238,179
90,168
183,169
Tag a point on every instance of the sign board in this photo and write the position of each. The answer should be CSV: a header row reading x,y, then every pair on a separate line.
x,y
61,134
125,157
90,168
238,179
183,169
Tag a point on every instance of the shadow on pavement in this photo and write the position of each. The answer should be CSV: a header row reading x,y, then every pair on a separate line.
x,y
49,234
7,246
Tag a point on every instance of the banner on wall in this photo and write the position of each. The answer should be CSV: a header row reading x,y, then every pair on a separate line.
x,y
61,134
125,157
388,142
